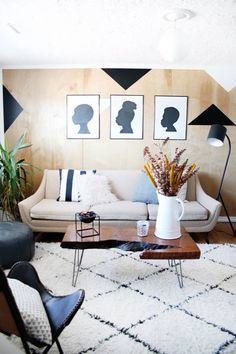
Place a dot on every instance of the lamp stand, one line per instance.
(219, 196)
(226, 212)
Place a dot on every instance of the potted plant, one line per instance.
(13, 178)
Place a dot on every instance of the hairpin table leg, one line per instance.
(76, 265)
(178, 272)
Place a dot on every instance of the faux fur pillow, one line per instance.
(95, 189)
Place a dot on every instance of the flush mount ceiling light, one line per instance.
(177, 14)
(172, 45)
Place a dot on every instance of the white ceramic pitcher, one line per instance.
(168, 217)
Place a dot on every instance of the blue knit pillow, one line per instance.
(69, 184)
(145, 191)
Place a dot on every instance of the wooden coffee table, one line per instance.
(124, 236)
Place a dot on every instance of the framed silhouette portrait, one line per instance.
(170, 117)
(126, 117)
(83, 112)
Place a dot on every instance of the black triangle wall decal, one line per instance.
(126, 77)
(11, 108)
(212, 115)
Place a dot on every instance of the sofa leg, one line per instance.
(206, 238)
(204, 234)
(192, 235)
(38, 235)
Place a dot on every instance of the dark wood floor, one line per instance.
(222, 233)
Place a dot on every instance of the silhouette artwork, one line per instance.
(170, 117)
(125, 116)
(82, 115)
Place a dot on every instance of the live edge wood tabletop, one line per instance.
(111, 236)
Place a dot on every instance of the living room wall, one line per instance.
(42, 95)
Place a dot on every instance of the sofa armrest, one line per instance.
(26, 204)
(211, 204)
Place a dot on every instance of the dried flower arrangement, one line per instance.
(167, 176)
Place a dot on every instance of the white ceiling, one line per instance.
(113, 33)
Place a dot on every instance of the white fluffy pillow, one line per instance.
(32, 311)
(95, 189)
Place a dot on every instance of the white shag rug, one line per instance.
(135, 306)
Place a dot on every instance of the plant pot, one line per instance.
(87, 217)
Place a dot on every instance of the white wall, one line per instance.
(1, 110)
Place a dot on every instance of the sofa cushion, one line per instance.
(52, 210)
(69, 184)
(182, 192)
(191, 189)
(145, 191)
(192, 211)
(123, 182)
(32, 311)
(95, 189)
(121, 210)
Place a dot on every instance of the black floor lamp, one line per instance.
(216, 137)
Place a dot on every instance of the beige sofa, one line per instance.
(42, 212)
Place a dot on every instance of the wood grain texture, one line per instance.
(183, 247)
(42, 94)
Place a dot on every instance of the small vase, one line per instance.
(168, 218)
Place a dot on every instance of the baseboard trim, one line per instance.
(225, 219)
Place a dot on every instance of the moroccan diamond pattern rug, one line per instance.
(135, 306)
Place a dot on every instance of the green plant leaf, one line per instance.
(13, 177)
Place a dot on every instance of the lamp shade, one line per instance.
(216, 135)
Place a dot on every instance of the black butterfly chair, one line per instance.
(60, 309)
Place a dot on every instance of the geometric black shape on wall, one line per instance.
(11, 108)
(126, 77)
(212, 115)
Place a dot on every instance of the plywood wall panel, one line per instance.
(42, 94)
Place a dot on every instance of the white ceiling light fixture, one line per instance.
(172, 46)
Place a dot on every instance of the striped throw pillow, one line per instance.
(69, 184)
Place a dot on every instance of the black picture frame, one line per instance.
(126, 116)
(170, 117)
(83, 116)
